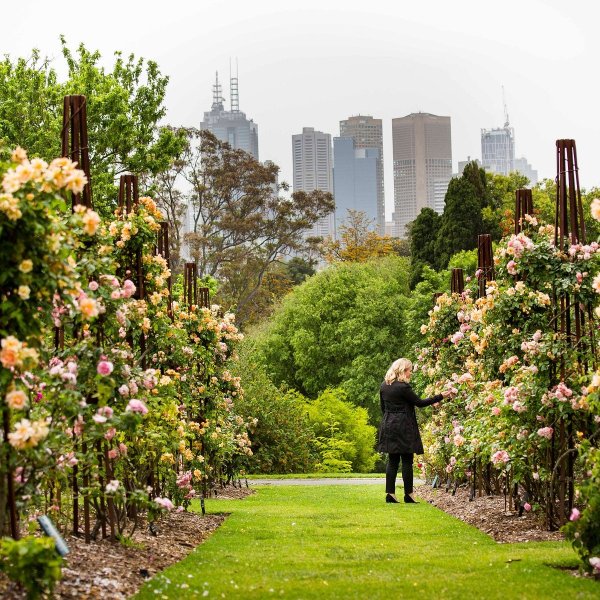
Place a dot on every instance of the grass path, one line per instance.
(345, 542)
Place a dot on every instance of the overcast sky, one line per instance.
(311, 63)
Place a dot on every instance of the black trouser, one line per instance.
(391, 472)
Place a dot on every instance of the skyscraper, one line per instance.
(498, 149)
(355, 180)
(422, 149)
(231, 126)
(313, 170)
(367, 132)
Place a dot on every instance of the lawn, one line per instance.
(345, 542)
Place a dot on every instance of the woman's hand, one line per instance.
(449, 392)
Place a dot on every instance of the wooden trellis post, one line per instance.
(162, 249)
(74, 137)
(457, 281)
(523, 206)
(190, 284)
(485, 261)
(570, 320)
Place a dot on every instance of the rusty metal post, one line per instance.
(485, 261)
(190, 284)
(204, 297)
(162, 249)
(74, 138)
(523, 206)
(569, 229)
(457, 281)
(10, 481)
(128, 193)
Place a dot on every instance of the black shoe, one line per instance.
(409, 500)
(390, 498)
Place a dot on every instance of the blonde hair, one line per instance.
(397, 370)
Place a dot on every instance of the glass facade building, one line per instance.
(355, 180)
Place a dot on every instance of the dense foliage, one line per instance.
(113, 397)
(124, 107)
(340, 328)
(525, 401)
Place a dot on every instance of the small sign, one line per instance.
(50, 530)
(435, 482)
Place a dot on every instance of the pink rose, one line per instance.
(112, 454)
(110, 434)
(527, 506)
(137, 406)
(93, 285)
(105, 367)
(575, 515)
(123, 449)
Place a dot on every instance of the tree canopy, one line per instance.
(340, 328)
(124, 108)
(240, 224)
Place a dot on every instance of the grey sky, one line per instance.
(315, 62)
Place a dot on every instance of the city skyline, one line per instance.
(314, 63)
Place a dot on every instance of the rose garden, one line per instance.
(122, 404)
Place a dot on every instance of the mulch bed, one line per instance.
(105, 569)
(487, 513)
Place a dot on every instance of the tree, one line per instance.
(124, 107)
(341, 328)
(240, 224)
(462, 220)
(422, 235)
(357, 241)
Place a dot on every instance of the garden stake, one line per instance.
(74, 138)
(524, 206)
(457, 281)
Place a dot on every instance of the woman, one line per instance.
(399, 433)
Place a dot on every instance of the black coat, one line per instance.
(399, 432)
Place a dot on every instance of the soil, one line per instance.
(105, 569)
(488, 514)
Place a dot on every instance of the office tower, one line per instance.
(231, 126)
(355, 181)
(498, 149)
(313, 170)
(367, 132)
(463, 163)
(522, 166)
(422, 165)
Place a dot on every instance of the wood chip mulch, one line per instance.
(487, 513)
(104, 569)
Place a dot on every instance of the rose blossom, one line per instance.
(93, 285)
(124, 390)
(110, 434)
(138, 406)
(545, 432)
(527, 506)
(112, 486)
(164, 503)
(105, 367)
(595, 563)
(575, 515)
(16, 399)
(112, 453)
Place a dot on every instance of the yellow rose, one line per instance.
(26, 266)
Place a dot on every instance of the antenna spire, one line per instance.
(233, 88)
(506, 119)
(217, 94)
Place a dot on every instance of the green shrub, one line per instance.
(343, 437)
(282, 439)
(32, 562)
